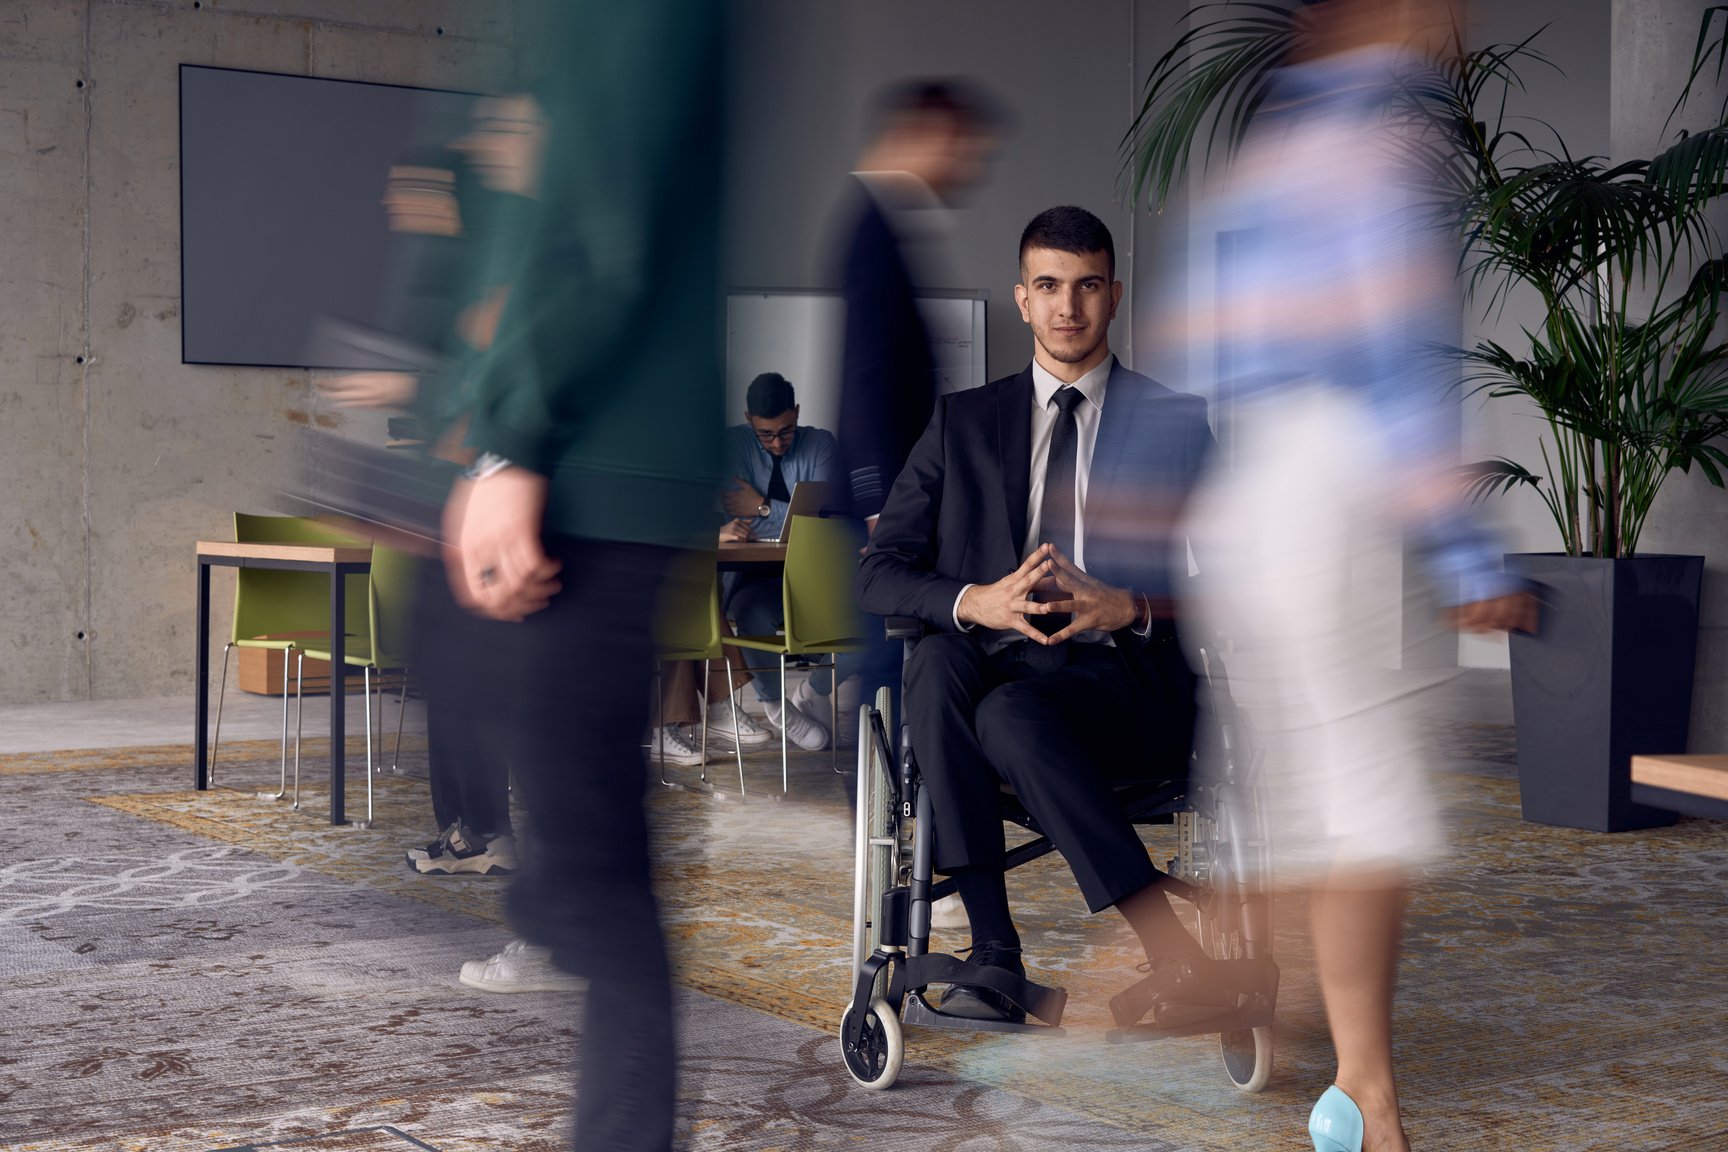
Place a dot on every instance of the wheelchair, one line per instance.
(1222, 868)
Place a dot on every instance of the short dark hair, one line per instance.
(769, 395)
(963, 102)
(1068, 229)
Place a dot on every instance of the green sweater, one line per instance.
(605, 374)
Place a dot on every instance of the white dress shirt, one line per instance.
(1087, 415)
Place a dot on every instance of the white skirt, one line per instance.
(1301, 576)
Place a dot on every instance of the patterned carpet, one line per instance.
(194, 971)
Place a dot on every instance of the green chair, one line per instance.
(292, 606)
(383, 648)
(687, 627)
(822, 618)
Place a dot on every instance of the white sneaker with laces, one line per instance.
(720, 724)
(803, 730)
(810, 702)
(678, 748)
(521, 967)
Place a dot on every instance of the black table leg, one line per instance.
(201, 685)
(338, 696)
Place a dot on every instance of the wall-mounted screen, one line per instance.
(281, 220)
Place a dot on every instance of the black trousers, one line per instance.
(1060, 738)
(582, 676)
(463, 662)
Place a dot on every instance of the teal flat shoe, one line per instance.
(1335, 1125)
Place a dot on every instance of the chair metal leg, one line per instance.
(286, 652)
(702, 718)
(222, 691)
(660, 721)
(834, 714)
(737, 743)
(785, 703)
(401, 718)
(299, 718)
(366, 686)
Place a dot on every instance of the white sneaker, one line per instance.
(810, 702)
(678, 749)
(803, 730)
(720, 724)
(949, 912)
(521, 967)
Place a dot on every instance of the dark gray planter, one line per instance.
(1608, 675)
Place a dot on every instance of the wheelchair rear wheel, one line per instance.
(1225, 850)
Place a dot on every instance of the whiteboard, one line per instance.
(798, 334)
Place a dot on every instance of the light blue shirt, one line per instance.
(814, 455)
(1318, 239)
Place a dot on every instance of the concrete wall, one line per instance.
(114, 456)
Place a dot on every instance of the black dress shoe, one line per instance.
(969, 1002)
(1181, 990)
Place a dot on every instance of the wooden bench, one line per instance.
(1694, 785)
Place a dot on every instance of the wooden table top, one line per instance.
(304, 553)
(1699, 775)
(752, 552)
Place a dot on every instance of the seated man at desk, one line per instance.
(767, 456)
(1030, 532)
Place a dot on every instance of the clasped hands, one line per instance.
(1063, 587)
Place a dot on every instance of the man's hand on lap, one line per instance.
(1096, 606)
(1005, 604)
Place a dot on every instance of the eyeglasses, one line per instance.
(771, 437)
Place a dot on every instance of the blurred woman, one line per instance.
(1338, 453)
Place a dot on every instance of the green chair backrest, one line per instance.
(394, 577)
(687, 619)
(821, 560)
(269, 602)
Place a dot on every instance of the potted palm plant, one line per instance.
(1624, 368)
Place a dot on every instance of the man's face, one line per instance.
(775, 432)
(507, 137)
(961, 156)
(422, 200)
(1069, 300)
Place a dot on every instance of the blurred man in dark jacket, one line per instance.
(594, 412)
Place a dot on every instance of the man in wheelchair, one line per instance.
(1030, 533)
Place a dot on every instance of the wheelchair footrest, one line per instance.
(918, 1013)
(1257, 1015)
(918, 972)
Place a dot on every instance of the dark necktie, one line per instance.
(1056, 513)
(777, 484)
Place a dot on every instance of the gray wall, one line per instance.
(112, 467)
(804, 74)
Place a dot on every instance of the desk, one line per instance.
(753, 556)
(339, 562)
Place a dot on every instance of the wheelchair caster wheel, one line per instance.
(875, 1061)
(1247, 1057)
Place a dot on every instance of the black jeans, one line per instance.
(582, 675)
(464, 664)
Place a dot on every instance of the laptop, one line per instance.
(809, 498)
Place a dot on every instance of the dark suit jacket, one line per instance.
(888, 375)
(957, 513)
